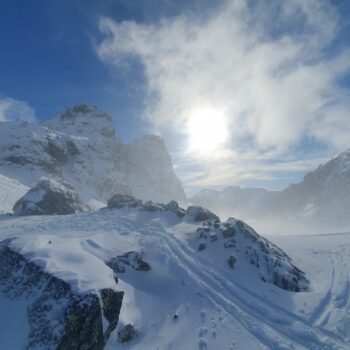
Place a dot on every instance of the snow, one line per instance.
(10, 192)
(216, 307)
(66, 260)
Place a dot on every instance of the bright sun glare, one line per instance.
(207, 129)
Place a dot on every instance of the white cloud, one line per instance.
(15, 110)
(268, 66)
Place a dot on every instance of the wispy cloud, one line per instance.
(15, 110)
(268, 66)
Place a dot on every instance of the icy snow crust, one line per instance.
(192, 299)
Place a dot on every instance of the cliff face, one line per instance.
(78, 147)
(322, 196)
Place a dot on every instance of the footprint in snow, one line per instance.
(203, 315)
(233, 346)
(203, 331)
(202, 344)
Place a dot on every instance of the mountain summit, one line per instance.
(78, 148)
(82, 120)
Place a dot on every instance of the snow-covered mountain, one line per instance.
(322, 197)
(320, 203)
(78, 148)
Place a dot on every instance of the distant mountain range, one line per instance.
(79, 149)
(321, 202)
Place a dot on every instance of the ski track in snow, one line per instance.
(273, 331)
(336, 302)
(325, 327)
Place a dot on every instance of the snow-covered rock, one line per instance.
(231, 241)
(241, 242)
(48, 197)
(200, 213)
(119, 201)
(79, 147)
(59, 315)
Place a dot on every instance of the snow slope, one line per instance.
(191, 299)
(10, 191)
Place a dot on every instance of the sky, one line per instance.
(250, 93)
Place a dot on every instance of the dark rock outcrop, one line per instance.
(112, 303)
(58, 316)
(119, 201)
(127, 333)
(132, 259)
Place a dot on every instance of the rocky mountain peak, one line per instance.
(78, 147)
(82, 120)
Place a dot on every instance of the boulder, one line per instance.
(150, 206)
(127, 333)
(201, 214)
(133, 259)
(174, 207)
(49, 197)
(231, 261)
(201, 247)
(119, 201)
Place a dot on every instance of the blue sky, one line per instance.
(48, 58)
(276, 73)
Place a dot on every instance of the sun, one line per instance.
(207, 129)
